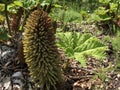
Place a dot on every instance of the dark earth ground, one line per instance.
(97, 75)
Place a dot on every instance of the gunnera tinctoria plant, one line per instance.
(40, 50)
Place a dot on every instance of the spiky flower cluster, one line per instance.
(40, 50)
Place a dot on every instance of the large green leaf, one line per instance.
(80, 45)
(18, 3)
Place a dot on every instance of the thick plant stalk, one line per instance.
(40, 50)
(7, 19)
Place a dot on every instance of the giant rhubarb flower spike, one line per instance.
(40, 50)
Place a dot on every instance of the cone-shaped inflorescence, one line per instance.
(40, 50)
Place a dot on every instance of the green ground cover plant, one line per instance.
(80, 46)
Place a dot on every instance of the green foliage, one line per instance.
(2, 18)
(94, 18)
(2, 7)
(3, 34)
(10, 8)
(115, 41)
(106, 12)
(106, 15)
(80, 46)
(28, 4)
(104, 1)
(72, 16)
(49, 1)
(14, 6)
(84, 14)
(101, 74)
(65, 16)
(116, 46)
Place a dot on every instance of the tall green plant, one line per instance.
(79, 46)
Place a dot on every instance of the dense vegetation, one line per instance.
(83, 32)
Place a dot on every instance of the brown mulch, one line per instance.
(97, 75)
